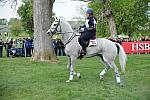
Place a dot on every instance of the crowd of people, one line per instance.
(58, 47)
(120, 40)
(24, 47)
(17, 47)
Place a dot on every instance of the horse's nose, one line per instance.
(48, 32)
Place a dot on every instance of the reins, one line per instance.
(72, 36)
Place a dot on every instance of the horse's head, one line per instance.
(55, 27)
(60, 26)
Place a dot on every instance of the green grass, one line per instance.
(22, 79)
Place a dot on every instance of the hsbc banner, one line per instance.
(136, 47)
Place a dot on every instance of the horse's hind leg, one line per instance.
(103, 72)
(107, 67)
(117, 75)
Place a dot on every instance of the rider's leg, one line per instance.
(82, 42)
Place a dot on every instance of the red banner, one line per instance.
(136, 47)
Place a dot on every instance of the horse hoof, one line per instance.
(120, 84)
(78, 75)
(101, 78)
(67, 81)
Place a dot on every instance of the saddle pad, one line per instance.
(92, 42)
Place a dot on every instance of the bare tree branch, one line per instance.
(12, 2)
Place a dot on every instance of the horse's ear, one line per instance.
(59, 19)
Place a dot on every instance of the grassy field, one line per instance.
(22, 79)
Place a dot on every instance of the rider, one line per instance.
(89, 30)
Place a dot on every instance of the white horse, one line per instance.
(105, 49)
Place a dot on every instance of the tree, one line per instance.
(42, 12)
(42, 16)
(15, 26)
(25, 11)
(128, 14)
(106, 12)
(111, 20)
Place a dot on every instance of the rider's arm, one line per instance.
(83, 26)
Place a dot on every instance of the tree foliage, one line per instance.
(129, 15)
(15, 26)
(26, 13)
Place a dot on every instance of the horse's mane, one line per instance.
(65, 22)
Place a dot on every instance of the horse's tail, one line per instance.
(122, 56)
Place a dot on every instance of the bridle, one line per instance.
(60, 32)
(55, 28)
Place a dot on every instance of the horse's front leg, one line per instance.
(71, 69)
(69, 62)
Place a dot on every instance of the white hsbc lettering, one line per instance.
(140, 46)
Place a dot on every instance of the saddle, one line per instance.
(92, 42)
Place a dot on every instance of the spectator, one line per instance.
(32, 47)
(23, 46)
(28, 46)
(8, 47)
(60, 48)
(14, 49)
(1, 47)
(55, 46)
(20, 47)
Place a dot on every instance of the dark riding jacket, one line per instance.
(90, 24)
(90, 27)
(88, 33)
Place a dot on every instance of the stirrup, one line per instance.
(82, 53)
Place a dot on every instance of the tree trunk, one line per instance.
(111, 21)
(112, 25)
(42, 14)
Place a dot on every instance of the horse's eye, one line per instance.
(55, 24)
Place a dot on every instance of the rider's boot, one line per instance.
(82, 53)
